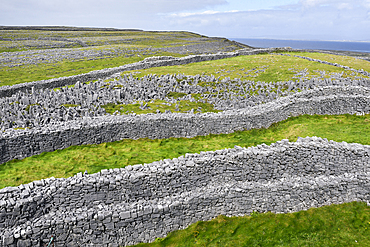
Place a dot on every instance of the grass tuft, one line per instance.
(345, 224)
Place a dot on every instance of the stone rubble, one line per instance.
(41, 107)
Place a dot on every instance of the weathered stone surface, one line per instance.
(7, 91)
(184, 190)
(142, 202)
(107, 128)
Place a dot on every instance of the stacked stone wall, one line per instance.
(142, 202)
(7, 91)
(327, 100)
(120, 207)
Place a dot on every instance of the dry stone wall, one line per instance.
(41, 107)
(120, 207)
(361, 71)
(7, 91)
(326, 100)
(142, 202)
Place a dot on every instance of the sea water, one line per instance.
(305, 44)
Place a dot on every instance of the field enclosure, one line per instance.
(31, 55)
(215, 137)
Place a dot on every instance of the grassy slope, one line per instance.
(27, 73)
(278, 68)
(336, 225)
(93, 158)
(343, 60)
(100, 40)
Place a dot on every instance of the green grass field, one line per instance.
(28, 73)
(343, 60)
(40, 39)
(264, 67)
(127, 46)
(93, 158)
(335, 225)
(182, 106)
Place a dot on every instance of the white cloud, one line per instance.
(338, 4)
(207, 12)
(312, 3)
(297, 19)
(142, 14)
(125, 6)
(323, 22)
(344, 6)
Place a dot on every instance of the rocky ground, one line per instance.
(41, 107)
(33, 47)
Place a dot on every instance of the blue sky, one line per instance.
(274, 19)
